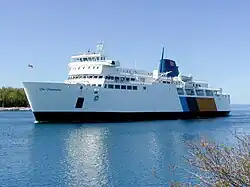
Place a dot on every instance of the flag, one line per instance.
(30, 66)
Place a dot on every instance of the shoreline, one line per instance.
(15, 109)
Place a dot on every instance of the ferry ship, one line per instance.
(99, 90)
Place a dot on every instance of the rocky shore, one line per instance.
(15, 109)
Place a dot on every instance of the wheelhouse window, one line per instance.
(117, 86)
(129, 87)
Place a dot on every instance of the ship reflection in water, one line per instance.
(122, 154)
(87, 157)
(105, 155)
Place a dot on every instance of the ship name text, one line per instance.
(50, 89)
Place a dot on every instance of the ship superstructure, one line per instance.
(98, 89)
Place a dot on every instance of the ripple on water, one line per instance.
(122, 154)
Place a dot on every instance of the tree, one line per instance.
(13, 97)
(219, 165)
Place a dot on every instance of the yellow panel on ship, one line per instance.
(206, 104)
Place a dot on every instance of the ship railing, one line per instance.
(130, 82)
(76, 82)
(160, 76)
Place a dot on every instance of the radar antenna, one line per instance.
(99, 47)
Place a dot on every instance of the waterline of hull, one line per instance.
(93, 117)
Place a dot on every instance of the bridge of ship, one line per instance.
(119, 76)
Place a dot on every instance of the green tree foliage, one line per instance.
(13, 97)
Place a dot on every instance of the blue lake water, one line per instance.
(121, 154)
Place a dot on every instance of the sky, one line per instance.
(208, 39)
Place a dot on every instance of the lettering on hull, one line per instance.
(50, 89)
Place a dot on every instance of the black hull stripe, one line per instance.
(91, 117)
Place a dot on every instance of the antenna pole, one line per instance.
(162, 56)
(99, 47)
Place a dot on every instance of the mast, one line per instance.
(161, 61)
(99, 48)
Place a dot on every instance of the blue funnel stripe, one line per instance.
(184, 104)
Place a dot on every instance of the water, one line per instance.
(123, 154)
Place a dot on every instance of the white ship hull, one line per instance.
(57, 102)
